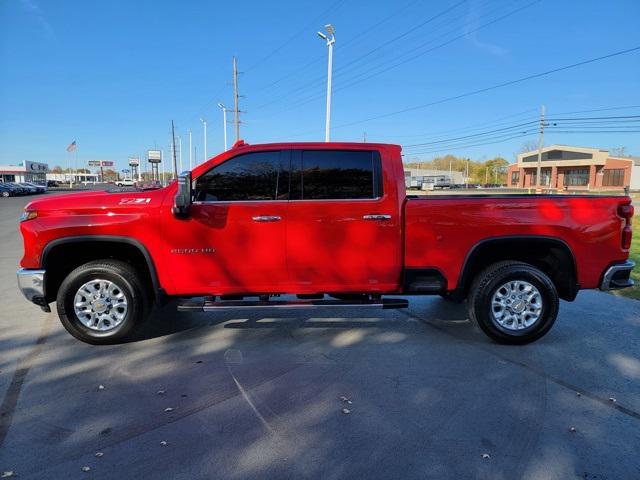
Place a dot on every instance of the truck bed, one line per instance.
(443, 230)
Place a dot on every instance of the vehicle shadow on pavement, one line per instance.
(166, 320)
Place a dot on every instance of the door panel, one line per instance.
(234, 238)
(341, 244)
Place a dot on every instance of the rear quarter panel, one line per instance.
(441, 231)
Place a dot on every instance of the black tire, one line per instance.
(5, 194)
(490, 280)
(121, 274)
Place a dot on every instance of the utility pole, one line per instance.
(173, 147)
(540, 145)
(204, 123)
(190, 152)
(180, 152)
(224, 124)
(236, 109)
(330, 39)
(364, 137)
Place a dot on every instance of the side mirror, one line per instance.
(182, 200)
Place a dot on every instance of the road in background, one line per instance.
(262, 394)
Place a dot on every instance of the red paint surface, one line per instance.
(325, 246)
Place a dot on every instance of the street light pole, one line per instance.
(204, 123)
(330, 39)
(190, 152)
(540, 146)
(224, 124)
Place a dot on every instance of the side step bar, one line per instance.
(201, 305)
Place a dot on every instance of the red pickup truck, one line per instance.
(329, 223)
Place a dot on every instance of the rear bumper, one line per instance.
(31, 283)
(617, 276)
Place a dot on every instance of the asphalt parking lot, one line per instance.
(261, 395)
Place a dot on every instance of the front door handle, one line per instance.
(266, 218)
(375, 216)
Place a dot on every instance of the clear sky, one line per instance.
(112, 75)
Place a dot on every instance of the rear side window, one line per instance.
(252, 176)
(335, 175)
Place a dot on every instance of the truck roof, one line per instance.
(330, 145)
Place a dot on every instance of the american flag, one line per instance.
(72, 147)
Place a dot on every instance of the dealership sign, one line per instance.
(154, 156)
(134, 162)
(35, 167)
(100, 163)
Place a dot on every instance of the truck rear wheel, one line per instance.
(513, 302)
(102, 302)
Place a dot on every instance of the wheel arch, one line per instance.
(551, 254)
(55, 261)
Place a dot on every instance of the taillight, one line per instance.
(626, 212)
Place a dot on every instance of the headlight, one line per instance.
(28, 215)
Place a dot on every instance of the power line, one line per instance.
(343, 46)
(603, 123)
(331, 9)
(474, 135)
(493, 87)
(355, 80)
(488, 142)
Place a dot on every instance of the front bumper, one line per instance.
(31, 283)
(617, 276)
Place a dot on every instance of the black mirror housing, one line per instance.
(183, 199)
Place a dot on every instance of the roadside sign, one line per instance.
(134, 161)
(100, 163)
(154, 156)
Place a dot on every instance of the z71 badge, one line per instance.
(134, 201)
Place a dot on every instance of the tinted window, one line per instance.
(253, 176)
(335, 174)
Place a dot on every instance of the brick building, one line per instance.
(574, 168)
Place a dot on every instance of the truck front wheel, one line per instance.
(102, 302)
(513, 302)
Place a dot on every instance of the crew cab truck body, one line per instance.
(328, 222)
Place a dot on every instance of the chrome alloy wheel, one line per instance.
(516, 305)
(100, 305)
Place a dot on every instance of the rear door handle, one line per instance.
(376, 216)
(266, 218)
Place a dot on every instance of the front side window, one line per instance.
(335, 175)
(252, 176)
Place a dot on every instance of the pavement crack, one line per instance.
(10, 401)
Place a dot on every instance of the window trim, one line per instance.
(377, 170)
(285, 157)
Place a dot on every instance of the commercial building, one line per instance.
(565, 167)
(74, 177)
(26, 171)
(424, 179)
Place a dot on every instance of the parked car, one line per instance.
(317, 220)
(127, 182)
(19, 188)
(5, 191)
(53, 183)
(31, 189)
(38, 187)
